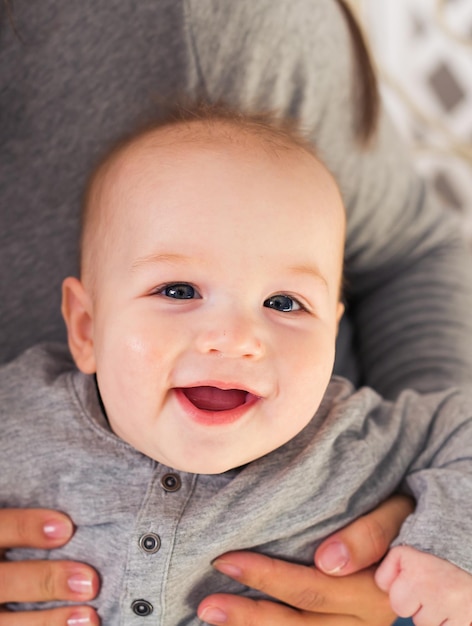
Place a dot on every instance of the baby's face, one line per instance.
(216, 306)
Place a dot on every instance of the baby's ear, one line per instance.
(77, 313)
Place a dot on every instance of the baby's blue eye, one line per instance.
(179, 291)
(282, 303)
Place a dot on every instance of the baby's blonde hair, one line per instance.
(191, 122)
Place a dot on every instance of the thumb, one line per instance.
(365, 541)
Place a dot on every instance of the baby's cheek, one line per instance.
(141, 345)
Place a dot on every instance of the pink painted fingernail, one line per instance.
(333, 557)
(78, 619)
(58, 529)
(79, 583)
(213, 615)
(227, 568)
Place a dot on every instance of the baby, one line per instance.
(203, 417)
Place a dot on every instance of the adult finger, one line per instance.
(365, 541)
(40, 581)
(35, 528)
(238, 611)
(307, 589)
(66, 616)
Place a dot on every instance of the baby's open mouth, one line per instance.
(215, 399)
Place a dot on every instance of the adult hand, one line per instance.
(315, 598)
(40, 581)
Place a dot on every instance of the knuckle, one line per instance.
(309, 599)
(48, 581)
(23, 528)
(375, 535)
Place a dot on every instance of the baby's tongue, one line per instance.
(214, 399)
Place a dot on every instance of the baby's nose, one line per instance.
(233, 337)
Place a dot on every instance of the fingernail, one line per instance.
(78, 619)
(227, 568)
(333, 557)
(58, 529)
(213, 615)
(79, 583)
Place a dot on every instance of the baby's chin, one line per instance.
(210, 467)
(218, 462)
(207, 463)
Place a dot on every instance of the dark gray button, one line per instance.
(143, 608)
(171, 482)
(150, 543)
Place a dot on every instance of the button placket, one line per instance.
(161, 511)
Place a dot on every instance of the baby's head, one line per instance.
(208, 304)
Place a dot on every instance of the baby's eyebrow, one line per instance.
(311, 271)
(168, 258)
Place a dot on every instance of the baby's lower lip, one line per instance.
(213, 406)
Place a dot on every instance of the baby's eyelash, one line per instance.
(178, 291)
(284, 303)
(182, 291)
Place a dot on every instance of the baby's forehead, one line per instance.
(257, 140)
(178, 150)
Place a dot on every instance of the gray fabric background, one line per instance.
(74, 76)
